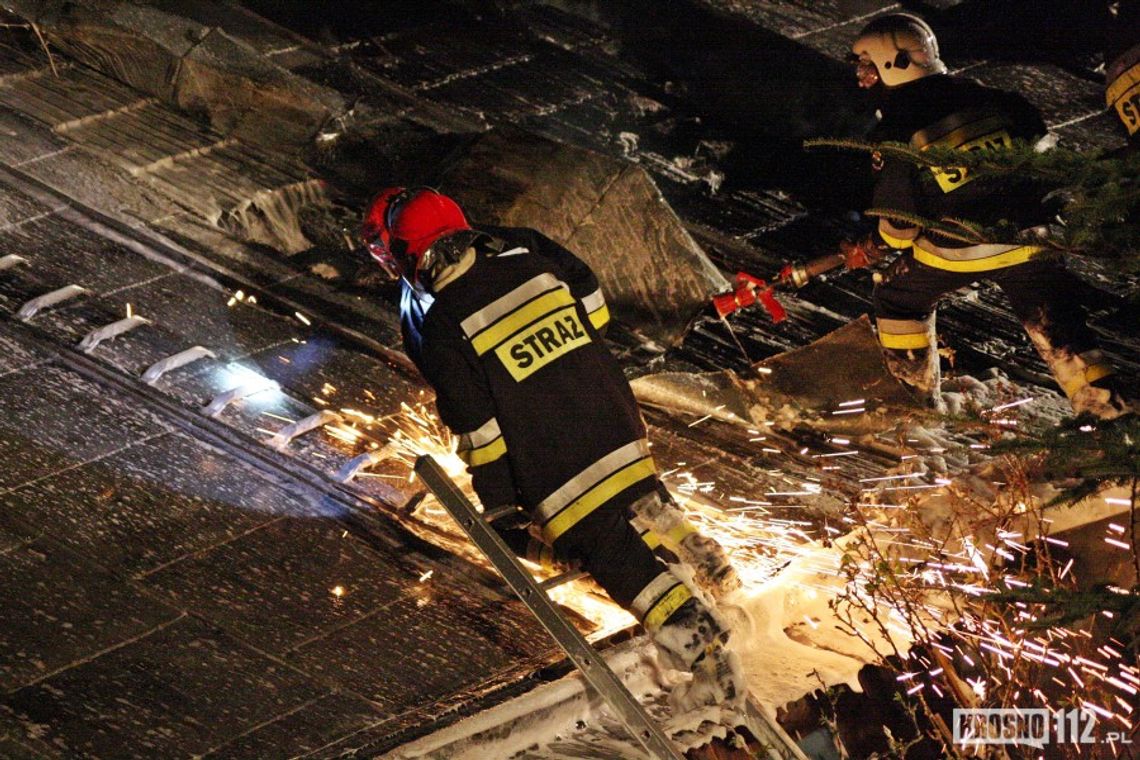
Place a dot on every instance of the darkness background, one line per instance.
(761, 91)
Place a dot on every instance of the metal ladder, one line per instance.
(477, 525)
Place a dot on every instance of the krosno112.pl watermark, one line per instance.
(1031, 727)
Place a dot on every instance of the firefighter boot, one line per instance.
(910, 351)
(693, 639)
(660, 515)
(1087, 378)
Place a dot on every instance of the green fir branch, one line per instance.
(914, 220)
(1063, 606)
(1084, 452)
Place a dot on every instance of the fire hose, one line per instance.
(749, 289)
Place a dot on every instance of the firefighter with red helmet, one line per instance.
(426, 214)
(897, 57)
(510, 341)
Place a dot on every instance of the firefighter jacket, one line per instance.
(415, 302)
(950, 112)
(1122, 67)
(545, 417)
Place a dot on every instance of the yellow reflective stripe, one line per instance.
(679, 533)
(596, 497)
(1018, 255)
(484, 454)
(894, 242)
(665, 607)
(950, 178)
(1128, 108)
(520, 318)
(577, 485)
(599, 318)
(505, 304)
(908, 341)
(596, 309)
(1122, 84)
(903, 333)
(989, 132)
(651, 539)
(1092, 373)
(482, 446)
(652, 593)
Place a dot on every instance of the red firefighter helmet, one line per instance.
(375, 231)
(402, 224)
(420, 216)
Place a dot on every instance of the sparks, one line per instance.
(1011, 404)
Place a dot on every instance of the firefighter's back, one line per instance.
(561, 401)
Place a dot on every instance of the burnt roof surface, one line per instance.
(170, 580)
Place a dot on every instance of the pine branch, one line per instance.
(945, 227)
(1066, 606)
(1095, 453)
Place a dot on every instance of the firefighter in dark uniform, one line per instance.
(544, 416)
(896, 56)
(415, 301)
(661, 522)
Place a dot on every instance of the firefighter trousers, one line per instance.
(525, 543)
(662, 526)
(1042, 293)
(688, 633)
(605, 544)
(666, 529)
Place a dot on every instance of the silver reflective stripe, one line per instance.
(583, 481)
(512, 252)
(902, 326)
(504, 305)
(970, 124)
(657, 588)
(486, 433)
(594, 301)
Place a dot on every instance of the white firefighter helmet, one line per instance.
(895, 49)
